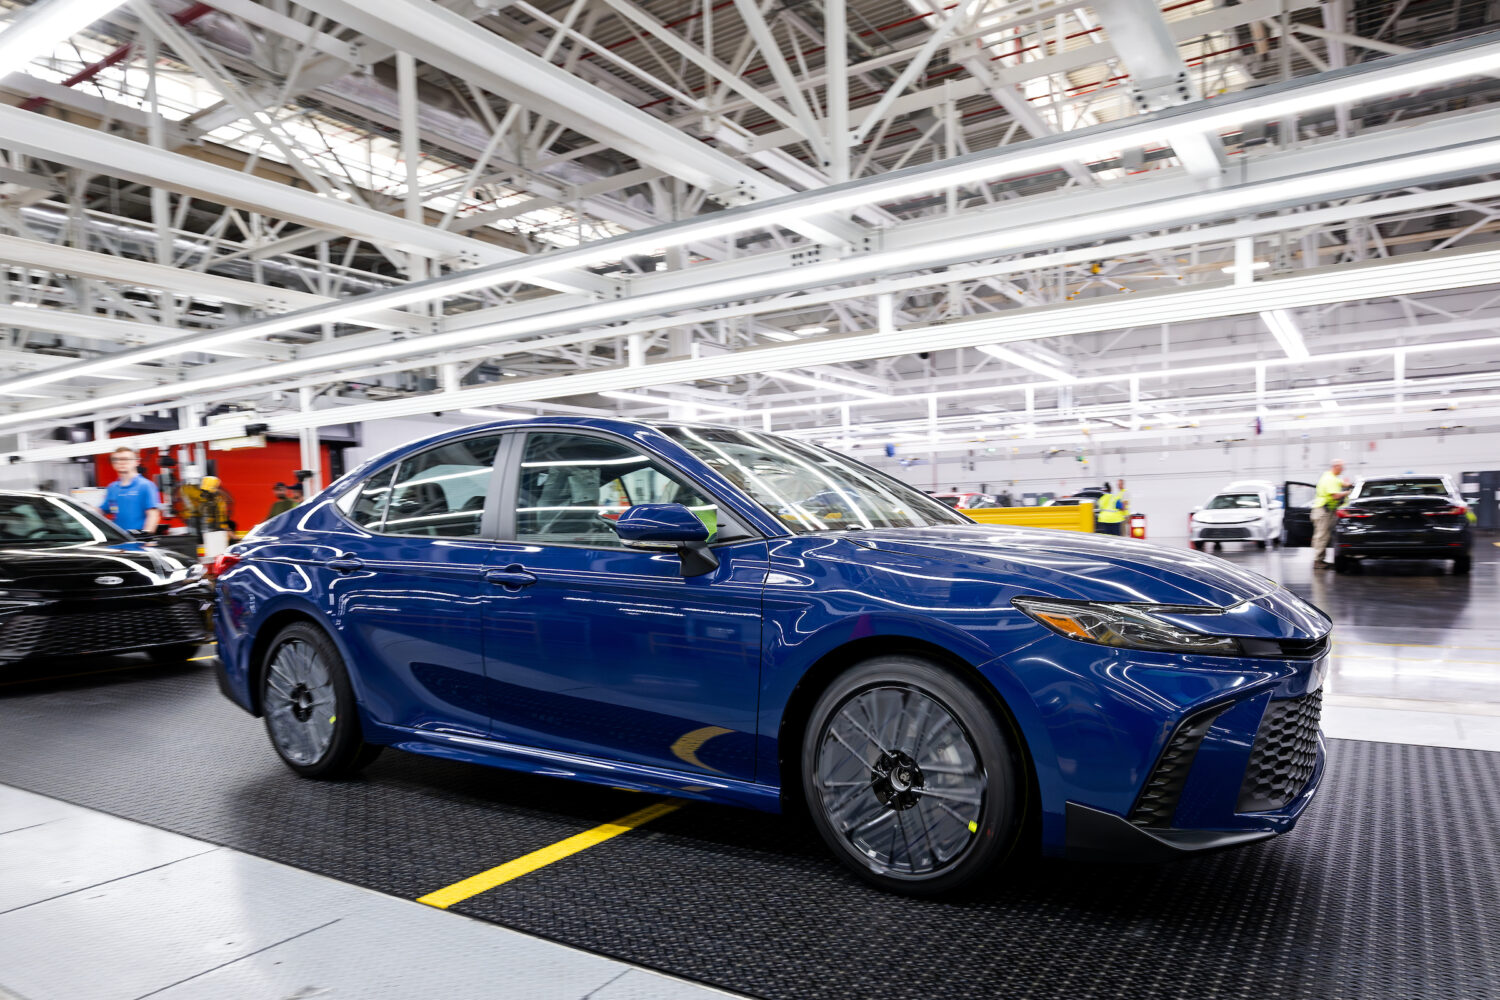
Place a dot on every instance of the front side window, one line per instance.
(573, 487)
(440, 492)
(811, 489)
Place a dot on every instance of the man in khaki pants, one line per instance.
(1331, 492)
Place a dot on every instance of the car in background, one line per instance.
(937, 694)
(965, 501)
(1403, 517)
(1244, 511)
(73, 584)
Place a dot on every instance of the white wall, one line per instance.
(1167, 482)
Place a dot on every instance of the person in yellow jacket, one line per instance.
(1110, 511)
(1331, 493)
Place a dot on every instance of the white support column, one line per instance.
(411, 152)
(308, 438)
(836, 32)
(1244, 260)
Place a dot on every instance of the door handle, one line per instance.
(510, 576)
(345, 564)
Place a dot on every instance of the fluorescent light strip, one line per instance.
(1030, 364)
(1381, 76)
(1284, 329)
(1431, 272)
(827, 386)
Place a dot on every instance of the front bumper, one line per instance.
(1244, 531)
(47, 629)
(1093, 834)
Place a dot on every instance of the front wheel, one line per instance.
(1463, 565)
(910, 778)
(309, 705)
(1261, 544)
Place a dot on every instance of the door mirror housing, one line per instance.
(668, 527)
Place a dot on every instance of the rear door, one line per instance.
(1296, 514)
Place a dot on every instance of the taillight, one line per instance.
(1346, 512)
(1447, 510)
(222, 562)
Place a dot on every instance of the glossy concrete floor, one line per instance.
(1416, 653)
(94, 905)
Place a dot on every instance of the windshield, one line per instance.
(40, 520)
(1233, 501)
(811, 489)
(1403, 488)
(947, 499)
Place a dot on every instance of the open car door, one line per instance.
(1296, 520)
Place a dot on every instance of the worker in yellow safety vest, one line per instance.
(1110, 511)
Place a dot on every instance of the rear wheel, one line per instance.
(910, 777)
(1345, 564)
(1462, 565)
(309, 705)
(175, 653)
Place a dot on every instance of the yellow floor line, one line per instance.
(527, 863)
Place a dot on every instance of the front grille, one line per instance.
(1284, 755)
(1158, 800)
(99, 631)
(1224, 533)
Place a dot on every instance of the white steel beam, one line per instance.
(443, 39)
(51, 139)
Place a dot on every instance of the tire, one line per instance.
(1260, 544)
(1344, 564)
(1198, 546)
(175, 653)
(876, 832)
(1463, 565)
(1218, 546)
(303, 681)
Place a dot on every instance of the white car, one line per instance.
(1246, 511)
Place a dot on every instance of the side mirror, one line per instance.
(667, 527)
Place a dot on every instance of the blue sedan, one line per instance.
(739, 617)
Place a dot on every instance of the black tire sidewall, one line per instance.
(987, 731)
(343, 755)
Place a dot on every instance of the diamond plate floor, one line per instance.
(1390, 888)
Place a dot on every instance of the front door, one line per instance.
(1296, 513)
(610, 652)
(407, 588)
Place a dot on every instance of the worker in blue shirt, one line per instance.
(132, 498)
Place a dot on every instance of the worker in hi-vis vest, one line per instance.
(1110, 511)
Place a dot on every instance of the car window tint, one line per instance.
(36, 519)
(1233, 501)
(1404, 488)
(572, 487)
(365, 504)
(440, 492)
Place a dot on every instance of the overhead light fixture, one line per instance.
(808, 330)
(1259, 265)
(642, 397)
(1284, 329)
(1030, 364)
(818, 383)
(38, 29)
(474, 411)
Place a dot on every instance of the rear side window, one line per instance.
(1404, 488)
(441, 492)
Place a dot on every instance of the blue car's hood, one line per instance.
(1102, 568)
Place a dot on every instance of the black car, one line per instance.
(71, 583)
(1403, 517)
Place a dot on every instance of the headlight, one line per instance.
(1126, 626)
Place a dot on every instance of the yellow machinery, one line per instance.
(1070, 517)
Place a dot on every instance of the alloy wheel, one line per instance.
(900, 780)
(300, 702)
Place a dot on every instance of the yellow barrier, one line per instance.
(1077, 517)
